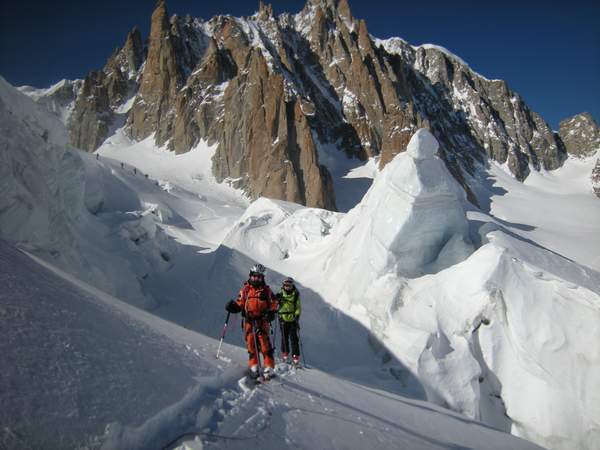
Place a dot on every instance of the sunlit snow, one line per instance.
(426, 323)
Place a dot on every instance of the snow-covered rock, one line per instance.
(59, 98)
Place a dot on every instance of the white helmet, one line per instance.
(258, 269)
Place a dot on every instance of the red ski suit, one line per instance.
(254, 302)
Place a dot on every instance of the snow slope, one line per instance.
(557, 209)
(75, 360)
(87, 370)
(490, 323)
(502, 335)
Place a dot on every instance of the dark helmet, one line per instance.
(288, 284)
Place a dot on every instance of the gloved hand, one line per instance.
(269, 315)
(232, 307)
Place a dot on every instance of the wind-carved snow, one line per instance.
(39, 174)
(410, 222)
(412, 219)
(500, 337)
(275, 229)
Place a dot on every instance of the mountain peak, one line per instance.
(265, 10)
(580, 134)
(340, 7)
(160, 19)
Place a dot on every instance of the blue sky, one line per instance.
(547, 51)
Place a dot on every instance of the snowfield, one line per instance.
(426, 323)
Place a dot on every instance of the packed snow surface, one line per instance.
(422, 317)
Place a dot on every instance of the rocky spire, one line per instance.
(265, 11)
(161, 80)
(134, 50)
(344, 10)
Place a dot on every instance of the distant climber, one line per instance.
(258, 306)
(289, 316)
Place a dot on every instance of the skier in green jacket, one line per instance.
(289, 315)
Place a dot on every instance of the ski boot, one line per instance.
(295, 361)
(253, 372)
(268, 373)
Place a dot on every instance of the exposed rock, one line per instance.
(271, 90)
(103, 92)
(91, 118)
(267, 145)
(199, 106)
(265, 11)
(596, 178)
(580, 135)
(161, 79)
(483, 116)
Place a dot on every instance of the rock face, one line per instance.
(103, 93)
(580, 135)
(160, 81)
(271, 92)
(596, 178)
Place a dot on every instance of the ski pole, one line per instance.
(301, 347)
(284, 341)
(273, 342)
(257, 353)
(223, 333)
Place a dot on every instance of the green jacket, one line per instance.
(289, 305)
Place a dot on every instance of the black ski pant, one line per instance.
(289, 332)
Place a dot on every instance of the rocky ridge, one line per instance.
(103, 94)
(580, 134)
(272, 91)
(596, 178)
